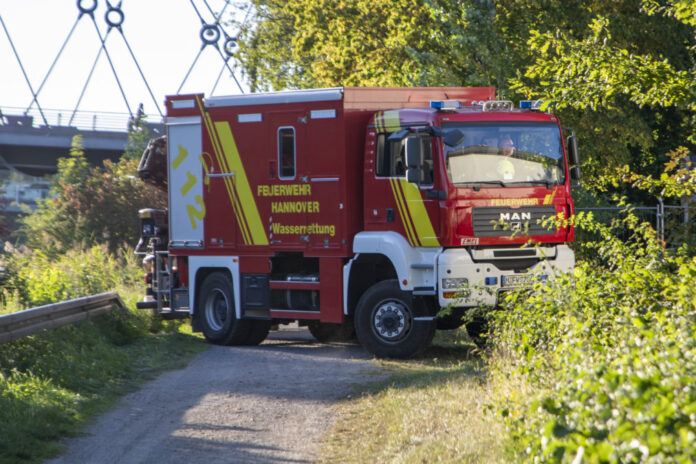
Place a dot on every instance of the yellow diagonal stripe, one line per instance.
(419, 215)
(403, 213)
(378, 121)
(224, 167)
(241, 183)
(391, 121)
(548, 199)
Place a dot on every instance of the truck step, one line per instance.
(168, 314)
(146, 304)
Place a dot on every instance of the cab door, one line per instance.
(393, 203)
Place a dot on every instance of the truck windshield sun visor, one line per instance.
(399, 135)
(504, 153)
(453, 137)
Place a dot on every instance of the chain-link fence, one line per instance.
(675, 224)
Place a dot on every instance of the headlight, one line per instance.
(455, 283)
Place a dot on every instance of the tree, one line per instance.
(138, 135)
(630, 96)
(324, 43)
(90, 205)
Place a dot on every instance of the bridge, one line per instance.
(29, 151)
(33, 138)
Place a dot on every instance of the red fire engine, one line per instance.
(352, 208)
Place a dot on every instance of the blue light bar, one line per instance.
(531, 104)
(445, 104)
(491, 281)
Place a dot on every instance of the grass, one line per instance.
(52, 383)
(437, 408)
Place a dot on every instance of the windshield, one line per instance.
(506, 153)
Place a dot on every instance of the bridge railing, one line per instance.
(83, 120)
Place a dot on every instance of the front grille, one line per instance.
(499, 222)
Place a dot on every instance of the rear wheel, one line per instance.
(217, 316)
(388, 323)
(325, 332)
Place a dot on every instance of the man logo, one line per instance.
(523, 216)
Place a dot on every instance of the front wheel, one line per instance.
(388, 323)
(216, 312)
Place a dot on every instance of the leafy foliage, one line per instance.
(138, 136)
(90, 205)
(39, 278)
(609, 349)
(309, 43)
(630, 97)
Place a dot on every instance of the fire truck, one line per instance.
(363, 211)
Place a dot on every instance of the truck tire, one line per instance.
(216, 312)
(258, 331)
(385, 322)
(325, 332)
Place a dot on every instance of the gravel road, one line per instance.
(265, 404)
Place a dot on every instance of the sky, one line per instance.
(163, 34)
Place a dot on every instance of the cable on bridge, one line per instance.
(116, 23)
(210, 34)
(21, 66)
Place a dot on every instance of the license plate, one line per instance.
(517, 280)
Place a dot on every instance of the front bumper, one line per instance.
(482, 270)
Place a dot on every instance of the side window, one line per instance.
(390, 157)
(286, 152)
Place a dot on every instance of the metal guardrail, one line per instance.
(30, 321)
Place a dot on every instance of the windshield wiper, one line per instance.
(549, 184)
(477, 184)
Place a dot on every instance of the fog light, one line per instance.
(454, 283)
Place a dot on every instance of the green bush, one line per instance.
(40, 278)
(610, 353)
(90, 206)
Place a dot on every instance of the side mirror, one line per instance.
(413, 159)
(413, 152)
(413, 175)
(453, 138)
(572, 145)
(575, 173)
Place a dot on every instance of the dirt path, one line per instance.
(265, 404)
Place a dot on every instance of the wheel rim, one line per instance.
(216, 306)
(391, 320)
